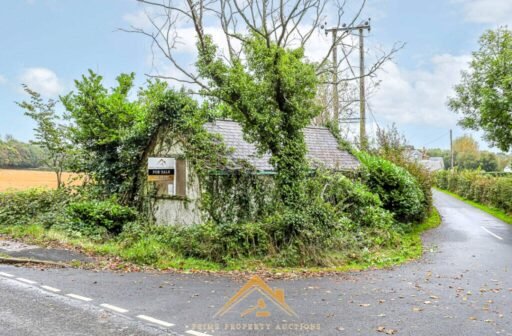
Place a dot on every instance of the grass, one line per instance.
(151, 251)
(410, 249)
(500, 214)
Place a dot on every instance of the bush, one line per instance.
(398, 190)
(34, 206)
(476, 186)
(341, 217)
(96, 218)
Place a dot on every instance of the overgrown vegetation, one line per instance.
(393, 147)
(484, 92)
(473, 185)
(299, 217)
(365, 235)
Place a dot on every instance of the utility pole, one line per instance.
(362, 96)
(335, 97)
(451, 150)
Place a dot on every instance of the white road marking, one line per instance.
(51, 289)
(6, 274)
(114, 308)
(26, 281)
(196, 333)
(79, 297)
(154, 320)
(491, 233)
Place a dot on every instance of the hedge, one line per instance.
(473, 185)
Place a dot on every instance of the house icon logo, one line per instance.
(267, 294)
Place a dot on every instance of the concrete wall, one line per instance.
(173, 210)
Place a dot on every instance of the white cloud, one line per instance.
(3, 80)
(496, 12)
(419, 97)
(42, 80)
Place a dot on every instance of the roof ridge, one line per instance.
(236, 122)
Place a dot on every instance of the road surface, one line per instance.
(462, 286)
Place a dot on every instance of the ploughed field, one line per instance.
(18, 179)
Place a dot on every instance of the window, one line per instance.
(180, 178)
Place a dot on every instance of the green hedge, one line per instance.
(473, 185)
(399, 191)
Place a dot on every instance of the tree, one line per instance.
(99, 120)
(115, 134)
(484, 96)
(488, 162)
(465, 144)
(50, 135)
(466, 152)
(263, 76)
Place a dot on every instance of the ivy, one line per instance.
(270, 91)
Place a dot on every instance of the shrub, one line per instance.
(476, 186)
(96, 218)
(398, 190)
(34, 206)
(341, 217)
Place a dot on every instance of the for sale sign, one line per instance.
(161, 169)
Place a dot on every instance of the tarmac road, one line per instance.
(462, 286)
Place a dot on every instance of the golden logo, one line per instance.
(256, 284)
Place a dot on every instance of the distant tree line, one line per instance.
(18, 154)
(468, 156)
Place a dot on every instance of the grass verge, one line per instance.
(500, 214)
(151, 252)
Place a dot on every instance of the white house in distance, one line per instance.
(433, 164)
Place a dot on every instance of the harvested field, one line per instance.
(14, 179)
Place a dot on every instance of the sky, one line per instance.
(47, 44)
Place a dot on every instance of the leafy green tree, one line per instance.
(488, 162)
(271, 91)
(50, 135)
(261, 73)
(484, 96)
(100, 119)
(115, 134)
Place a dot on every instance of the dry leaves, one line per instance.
(386, 330)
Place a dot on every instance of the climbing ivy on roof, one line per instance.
(270, 91)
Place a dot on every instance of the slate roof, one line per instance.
(322, 147)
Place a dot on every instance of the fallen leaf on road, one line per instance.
(472, 318)
(417, 309)
(386, 331)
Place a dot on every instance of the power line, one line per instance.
(362, 92)
(436, 139)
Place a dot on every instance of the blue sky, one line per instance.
(49, 43)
